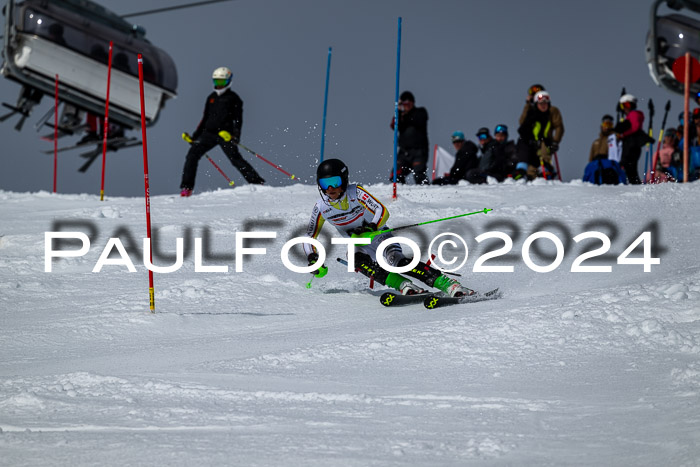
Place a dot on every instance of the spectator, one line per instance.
(509, 155)
(413, 140)
(633, 137)
(540, 135)
(466, 159)
(670, 162)
(491, 163)
(599, 148)
(531, 91)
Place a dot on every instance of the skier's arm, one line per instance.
(313, 229)
(200, 126)
(381, 213)
(557, 127)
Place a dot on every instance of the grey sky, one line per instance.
(468, 62)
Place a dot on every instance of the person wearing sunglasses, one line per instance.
(540, 134)
(491, 163)
(355, 212)
(223, 112)
(466, 158)
(413, 143)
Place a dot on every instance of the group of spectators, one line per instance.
(623, 143)
(539, 134)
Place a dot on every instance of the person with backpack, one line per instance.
(633, 136)
(540, 133)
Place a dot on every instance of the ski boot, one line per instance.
(409, 288)
(186, 192)
(451, 287)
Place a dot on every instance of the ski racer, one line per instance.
(354, 212)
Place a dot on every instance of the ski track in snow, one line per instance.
(252, 368)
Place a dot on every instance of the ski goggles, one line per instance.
(500, 129)
(482, 136)
(330, 182)
(220, 83)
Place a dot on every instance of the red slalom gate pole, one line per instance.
(556, 161)
(105, 129)
(146, 184)
(230, 182)
(55, 136)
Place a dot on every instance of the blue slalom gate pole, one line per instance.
(325, 103)
(396, 106)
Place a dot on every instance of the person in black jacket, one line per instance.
(509, 154)
(491, 163)
(223, 111)
(466, 159)
(413, 140)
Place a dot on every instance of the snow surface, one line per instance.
(252, 368)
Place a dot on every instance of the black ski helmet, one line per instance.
(332, 168)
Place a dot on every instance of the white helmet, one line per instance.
(628, 98)
(541, 96)
(222, 78)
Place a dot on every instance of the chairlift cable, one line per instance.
(177, 7)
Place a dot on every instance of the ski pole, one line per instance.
(226, 136)
(647, 156)
(230, 182)
(556, 161)
(655, 160)
(188, 139)
(373, 234)
(618, 110)
(544, 169)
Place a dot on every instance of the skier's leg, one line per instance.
(370, 268)
(434, 278)
(247, 170)
(419, 166)
(189, 171)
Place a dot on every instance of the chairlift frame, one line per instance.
(681, 31)
(33, 59)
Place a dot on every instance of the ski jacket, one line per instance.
(465, 160)
(542, 126)
(557, 120)
(355, 207)
(491, 161)
(413, 129)
(224, 112)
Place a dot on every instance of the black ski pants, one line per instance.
(206, 142)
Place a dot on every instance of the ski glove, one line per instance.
(366, 230)
(322, 271)
(187, 137)
(554, 147)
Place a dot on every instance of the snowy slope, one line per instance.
(252, 368)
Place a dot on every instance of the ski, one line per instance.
(437, 301)
(397, 299)
(117, 142)
(94, 154)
